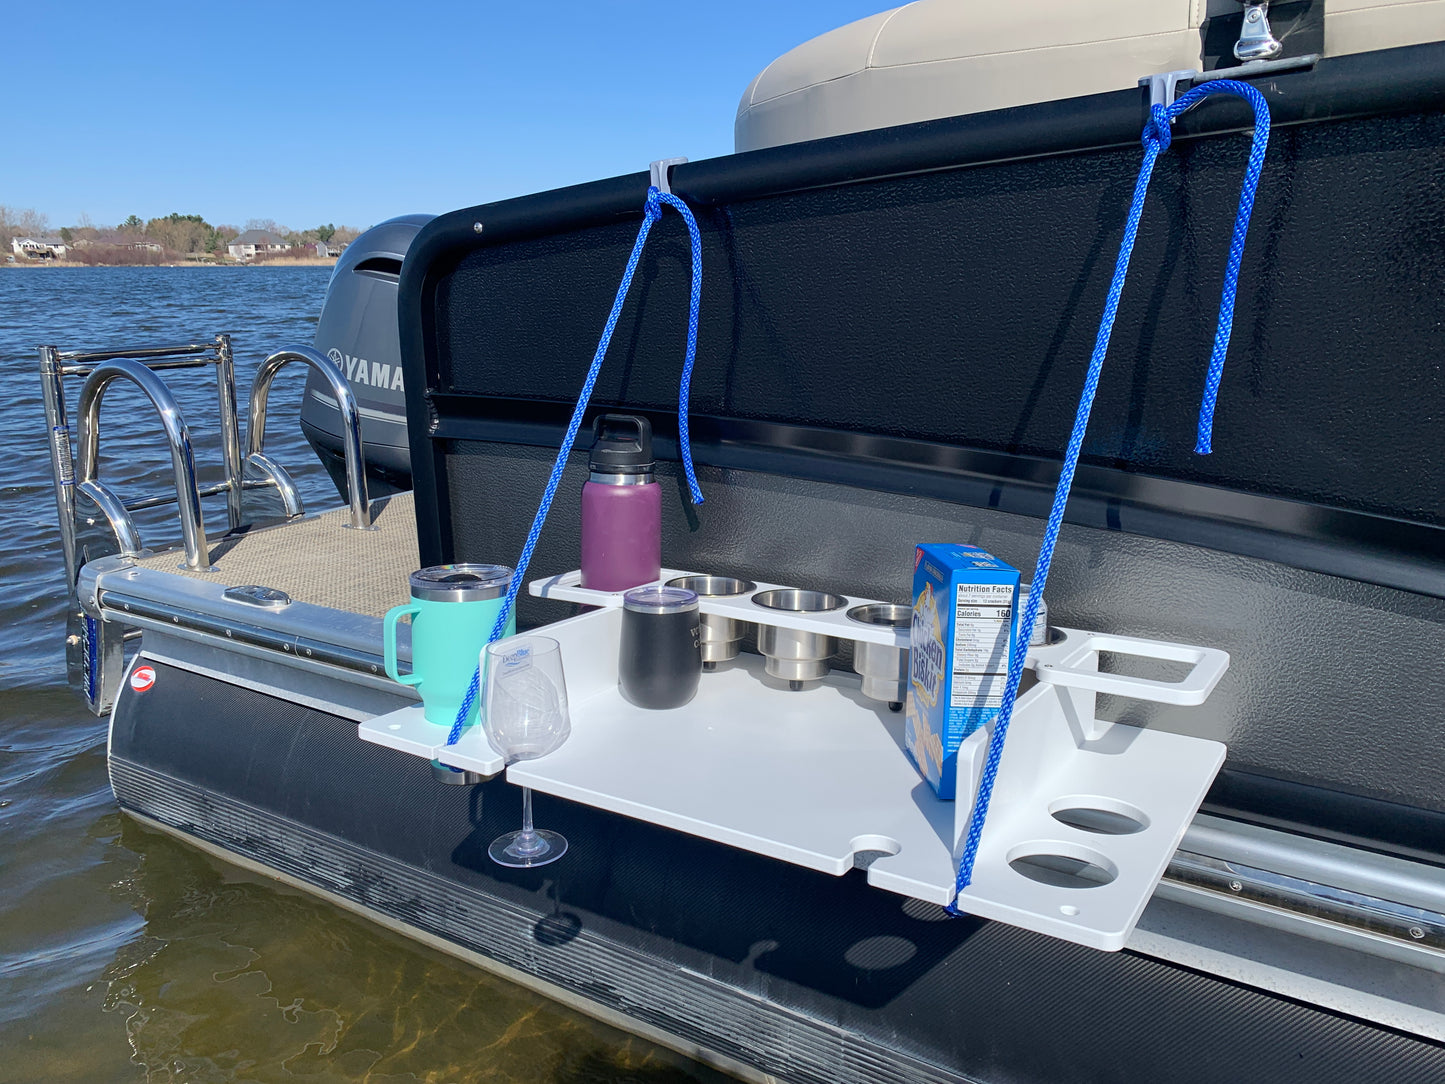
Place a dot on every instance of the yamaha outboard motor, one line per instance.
(358, 331)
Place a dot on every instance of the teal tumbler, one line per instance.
(453, 609)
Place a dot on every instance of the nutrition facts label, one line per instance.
(982, 615)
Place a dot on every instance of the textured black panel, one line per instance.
(960, 307)
(739, 953)
(910, 310)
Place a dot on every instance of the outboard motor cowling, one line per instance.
(358, 331)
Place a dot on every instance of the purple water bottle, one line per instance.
(621, 507)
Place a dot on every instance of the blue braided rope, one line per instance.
(684, 440)
(1257, 147)
(1156, 139)
(651, 212)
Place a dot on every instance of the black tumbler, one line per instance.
(660, 660)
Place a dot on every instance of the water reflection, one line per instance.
(235, 979)
(126, 956)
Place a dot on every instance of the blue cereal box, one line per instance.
(964, 599)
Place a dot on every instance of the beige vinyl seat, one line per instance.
(942, 58)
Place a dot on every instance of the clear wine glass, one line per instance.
(524, 715)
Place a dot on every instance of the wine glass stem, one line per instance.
(527, 843)
(527, 831)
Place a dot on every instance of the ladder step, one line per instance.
(215, 489)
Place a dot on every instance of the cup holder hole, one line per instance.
(884, 614)
(797, 600)
(1099, 815)
(1061, 865)
(714, 586)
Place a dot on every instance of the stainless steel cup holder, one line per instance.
(720, 636)
(793, 655)
(884, 669)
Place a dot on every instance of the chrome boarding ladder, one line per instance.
(94, 648)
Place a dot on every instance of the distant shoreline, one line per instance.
(311, 261)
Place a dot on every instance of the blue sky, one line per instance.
(310, 112)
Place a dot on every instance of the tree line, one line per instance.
(178, 235)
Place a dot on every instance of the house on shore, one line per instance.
(43, 248)
(327, 249)
(255, 243)
(118, 240)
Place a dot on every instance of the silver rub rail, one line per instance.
(350, 422)
(287, 643)
(1298, 895)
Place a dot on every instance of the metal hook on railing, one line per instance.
(350, 422)
(660, 173)
(1164, 86)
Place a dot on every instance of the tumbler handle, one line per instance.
(388, 640)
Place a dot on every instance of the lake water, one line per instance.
(127, 956)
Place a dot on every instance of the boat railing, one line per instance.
(183, 461)
(138, 364)
(356, 493)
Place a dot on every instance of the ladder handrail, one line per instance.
(178, 439)
(72, 359)
(356, 493)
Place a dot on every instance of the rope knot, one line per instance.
(652, 209)
(1157, 128)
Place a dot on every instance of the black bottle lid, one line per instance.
(621, 444)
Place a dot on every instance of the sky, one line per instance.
(315, 111)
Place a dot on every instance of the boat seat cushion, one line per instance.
(942, 58)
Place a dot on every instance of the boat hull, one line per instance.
(760, 967)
